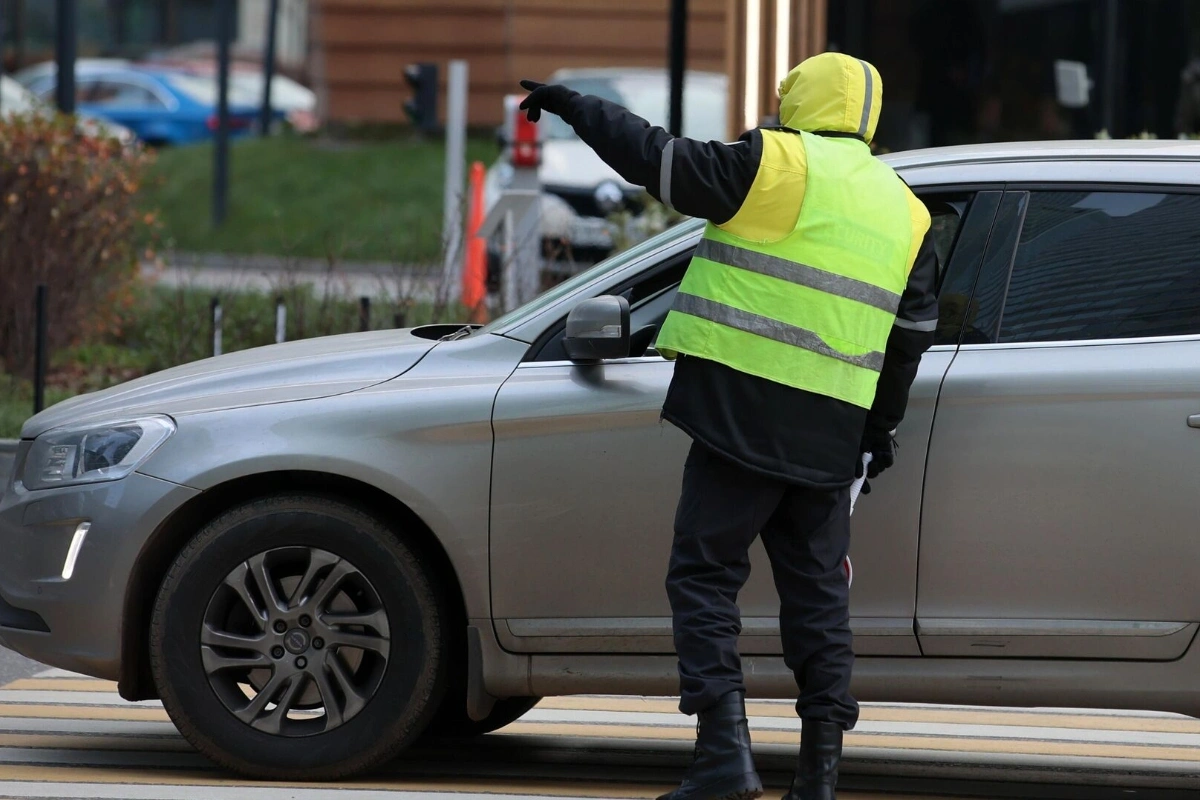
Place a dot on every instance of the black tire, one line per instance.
(452, 722)
(408, 684)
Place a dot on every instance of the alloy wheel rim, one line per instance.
(295, 641)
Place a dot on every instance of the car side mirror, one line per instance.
(598, 329)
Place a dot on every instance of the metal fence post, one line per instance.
(66, 21)
(220, 190)
(39, 350)
(216, 326)
(269, 67)
(456, 156)
(280, 320)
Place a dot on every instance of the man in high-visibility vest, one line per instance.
(797, 330)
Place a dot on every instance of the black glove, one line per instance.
(552, 97)
(882, 448)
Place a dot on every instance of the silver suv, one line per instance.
(317, 552)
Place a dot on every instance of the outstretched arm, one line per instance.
(709, 180)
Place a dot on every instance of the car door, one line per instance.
(1060, 513)
(586, 478)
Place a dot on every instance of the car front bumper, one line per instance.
(75, 622)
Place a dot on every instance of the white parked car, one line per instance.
(16, 99)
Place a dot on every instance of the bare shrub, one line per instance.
(68, 219)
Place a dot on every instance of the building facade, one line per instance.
(955, 71)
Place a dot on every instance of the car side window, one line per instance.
(122, 94)
(1104, 265)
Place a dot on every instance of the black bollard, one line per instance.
(364, 313)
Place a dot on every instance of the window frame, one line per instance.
(1009, 255)
(557, 329)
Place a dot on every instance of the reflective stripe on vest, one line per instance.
(812, 310)
(769, 328)
(799, 274)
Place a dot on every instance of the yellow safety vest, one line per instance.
(812, 310)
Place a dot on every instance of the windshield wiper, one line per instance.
(461, 333)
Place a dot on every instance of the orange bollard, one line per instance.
(474, 278)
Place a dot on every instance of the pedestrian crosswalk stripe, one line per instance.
(63, 685)
(65, 735)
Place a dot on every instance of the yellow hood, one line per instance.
(832, 92)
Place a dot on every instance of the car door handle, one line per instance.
(1194, 421)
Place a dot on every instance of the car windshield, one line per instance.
(703, 106)
(573, 284)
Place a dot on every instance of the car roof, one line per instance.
(1064, 150)
(51, 67)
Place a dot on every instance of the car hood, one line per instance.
(571, 163)
(300, 370)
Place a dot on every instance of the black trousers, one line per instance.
(807, 535)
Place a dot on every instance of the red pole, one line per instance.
(474, 288)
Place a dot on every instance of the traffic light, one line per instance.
(422, 108)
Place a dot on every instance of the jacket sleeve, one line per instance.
(912, 334)
(709, 180)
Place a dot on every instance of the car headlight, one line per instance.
(609, 197)
(90, 454)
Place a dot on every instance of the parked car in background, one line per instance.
(16, 99)
(581, 192)
(295, 103)
(160, 106)
(315, 550)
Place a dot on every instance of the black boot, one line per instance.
(817, 769)
(723, 768)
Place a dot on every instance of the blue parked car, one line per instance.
(160, 106)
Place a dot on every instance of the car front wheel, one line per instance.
(297, 637)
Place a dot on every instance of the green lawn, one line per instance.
(307, 198)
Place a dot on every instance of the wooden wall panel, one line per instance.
(365, 45)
